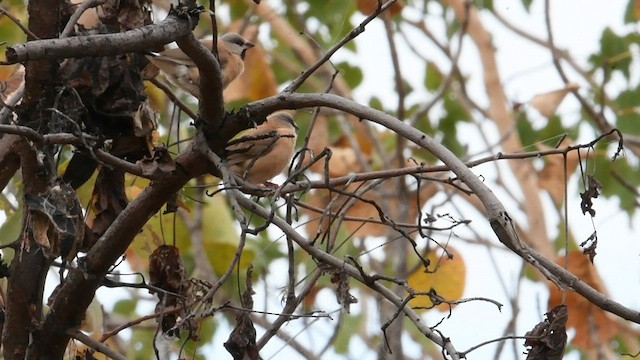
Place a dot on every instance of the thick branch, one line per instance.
(211, 105)
(104, 44)
(69, 305)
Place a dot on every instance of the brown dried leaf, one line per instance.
(108, 200)
(343, 295)
(57, 220)
(551, 336)
(548, 103)
(166, 272)
(158, 164)
(589, 321)
(368, 7)
(242, 340)
(40, 228)
(592, 192)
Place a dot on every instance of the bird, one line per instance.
(263, 152)
(183, 72)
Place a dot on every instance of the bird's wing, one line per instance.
(251, 145)
(164, 61)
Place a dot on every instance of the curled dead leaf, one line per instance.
(549, 337)
(166, 272)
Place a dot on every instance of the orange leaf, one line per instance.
(590, 322)
(446, 276)
(368, 7)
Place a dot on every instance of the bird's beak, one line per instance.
(248, 45)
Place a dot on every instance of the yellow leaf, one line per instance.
(446, 276)
(219, 237)
(93, 321)
(157, 98)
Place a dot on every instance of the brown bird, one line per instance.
(263, 152)
(183, 72)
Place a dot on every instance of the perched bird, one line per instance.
(183, 72)
(263, 152)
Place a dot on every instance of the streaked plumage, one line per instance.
(265, 151)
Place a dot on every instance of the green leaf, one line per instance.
(552, 131)
(352, 74)
(632, 12)
(627, 106)
(455, 111)
(432, 77)
(219, 237)
(125, 306)
(528, 136)
(350, 326)
(374, 102)
(10, 229)
(617, 178)
(238, 8)
(448, 128)
(485, 4)
(614, 52)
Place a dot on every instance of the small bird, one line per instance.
(263, 152)
(183, 72)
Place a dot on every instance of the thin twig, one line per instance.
(297, 82)
(30, 35)
(86, 4)
(95, 345)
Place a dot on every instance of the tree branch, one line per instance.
(103, 44)
(496, 213)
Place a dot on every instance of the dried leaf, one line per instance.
(590, 249)
(166, 272)
(592, 192)
(79, 169)
(57, 220)
(108, 200)
(589, 321)
(343, 296)
(551, 336)
(242, 340)
(158, 164)
(548, 103)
